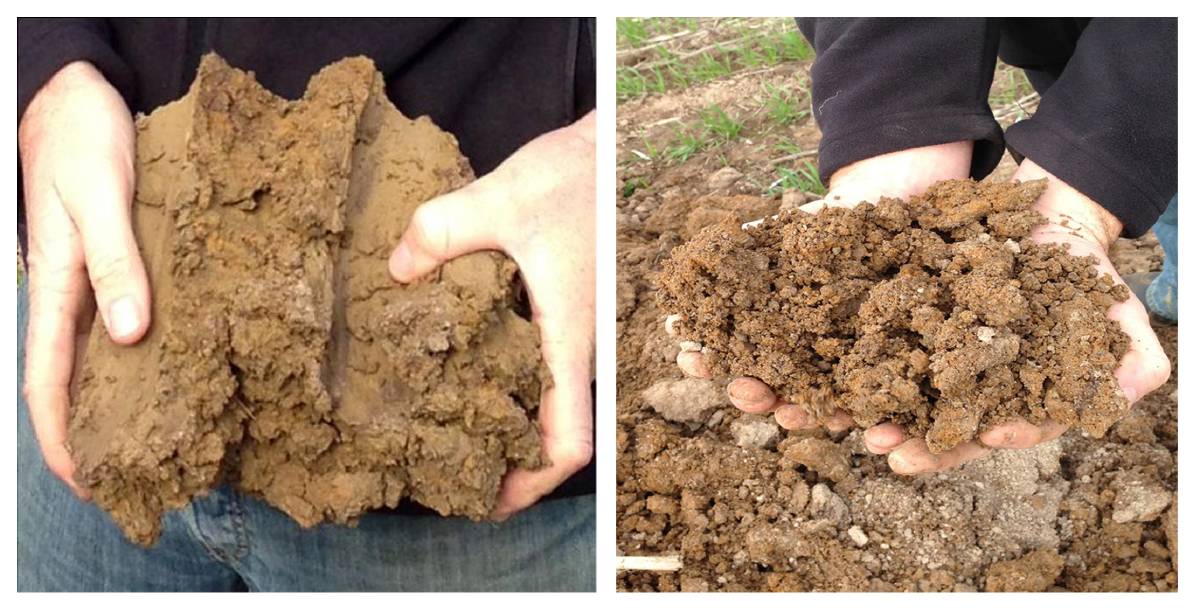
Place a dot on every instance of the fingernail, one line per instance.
(123, 317)
(400, 261)
(739, 392)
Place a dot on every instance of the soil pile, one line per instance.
(282, 357)
(939, 313)
(803, 511)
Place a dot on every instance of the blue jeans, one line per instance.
(229, 542)
(1162, 294)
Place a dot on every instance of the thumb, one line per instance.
(101, 211)
(1145, 366)
(443, 228)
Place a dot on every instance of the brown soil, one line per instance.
(772, 517)
(938, 314)
(801, 511)
(282, 357)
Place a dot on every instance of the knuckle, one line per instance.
(110, 269)
(574, 455)
(427, 232)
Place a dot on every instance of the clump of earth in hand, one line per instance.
(938, 313)
(282, 358)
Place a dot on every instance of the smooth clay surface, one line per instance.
(282, 357)
(939, 313)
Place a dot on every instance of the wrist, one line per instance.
(1067, 208)
(900, 174)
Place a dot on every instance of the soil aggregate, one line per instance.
(282, 358)
(939, 313)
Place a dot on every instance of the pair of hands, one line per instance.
(1090, 230)
(77, 147)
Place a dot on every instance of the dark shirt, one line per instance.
(493, 83)
(1107, 123)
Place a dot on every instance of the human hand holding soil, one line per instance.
(538, 207)
(1091, 230)
(76, 142)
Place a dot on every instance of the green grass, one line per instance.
(1013, 85)
(633, 32)
(754, 48)
(631, 186)
(719, 124)
(714, 127)
(783, 106)
(685, 145)
(804, 178)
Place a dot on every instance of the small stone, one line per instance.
(985, 334)
(688, 400)
(856, 534)
(670, 324)
(799, 500)
(1012, 245)
(1139, 501)
(821, 493)
(661, 504)
(754, 431)
(723, 178)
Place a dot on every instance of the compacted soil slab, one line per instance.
(282, 358)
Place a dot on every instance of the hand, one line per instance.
(76, 142)
(539, 207)
(1090, 230)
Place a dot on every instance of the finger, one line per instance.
(840, 421)
(446, 227)
(913, 457)
(563, 300)
(792, 417)
(101, 211)
(751, 395)
(565, 415)
(692, 364)
(883, 438)
(57, 288)
(814, 207)
(1145, 366)
(1017, 434)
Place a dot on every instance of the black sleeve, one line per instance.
(1109, 125)
(46, 44)
(884, 85)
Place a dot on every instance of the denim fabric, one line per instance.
(229, 542)
(1162, 294)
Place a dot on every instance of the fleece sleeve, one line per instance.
(44, 45)
(884, 85)
(1109, 125)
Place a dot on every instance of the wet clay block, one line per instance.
(939, 313)
(282, 358)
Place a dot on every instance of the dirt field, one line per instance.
(713, 118)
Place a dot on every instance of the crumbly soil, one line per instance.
(787, 511)
(938, 314)
(282, 357)
(804, 511)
